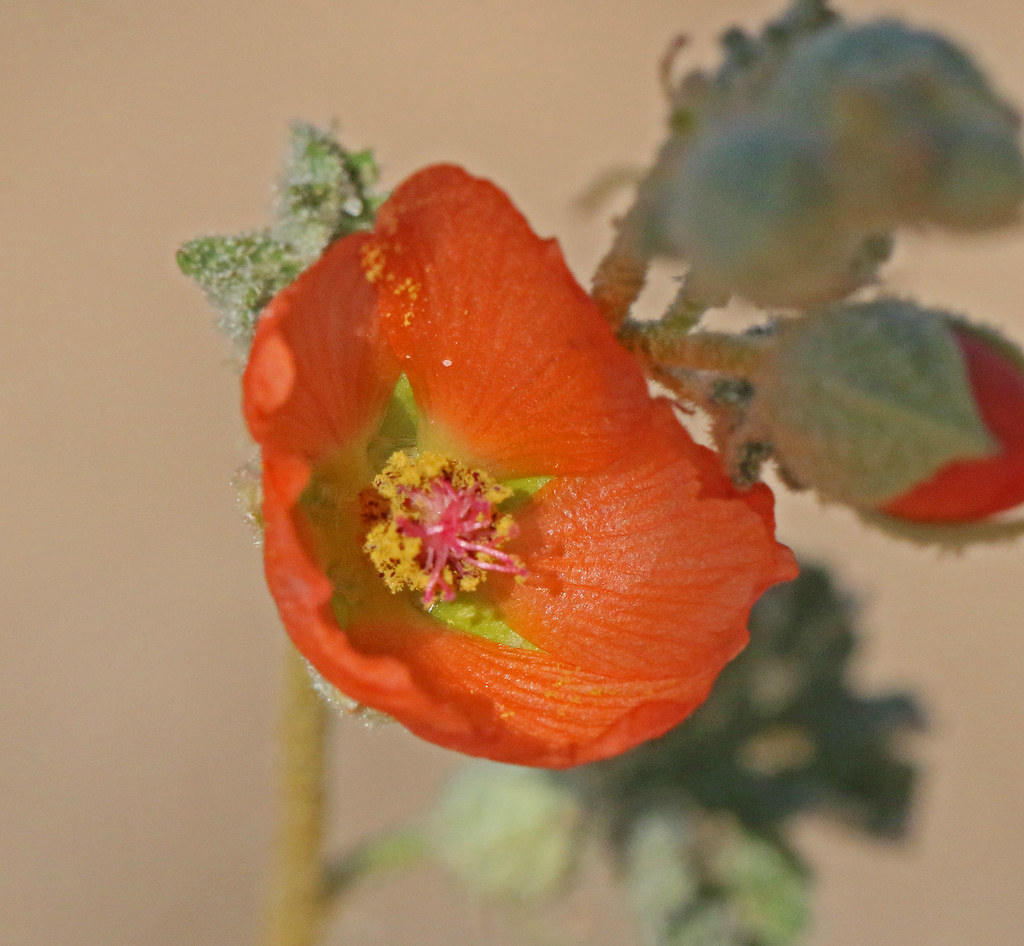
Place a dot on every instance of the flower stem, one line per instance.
(296, 899)
(621, 275)
(685, 310)
(665, 346)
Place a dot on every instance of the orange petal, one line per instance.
(648, 570)
(462, 692)
(303, 595)
(319, 373)
(509, 359)
(527, 708)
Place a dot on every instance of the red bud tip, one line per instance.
(965, 491)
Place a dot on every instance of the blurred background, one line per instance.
(140, 651)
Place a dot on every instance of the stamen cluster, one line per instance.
(434, 526)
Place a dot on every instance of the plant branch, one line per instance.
(666, 346)
(296, 902)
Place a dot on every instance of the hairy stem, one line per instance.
(621, 275)
(665, 346)
(296, 898)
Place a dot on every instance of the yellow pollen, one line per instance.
(433, 526)
(409, 287)
(372, 261)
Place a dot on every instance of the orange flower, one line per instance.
(477, 520)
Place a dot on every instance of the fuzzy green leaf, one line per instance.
(507, 832)
(767, 887)
(661, 876)
(239, 275)
(326, 192)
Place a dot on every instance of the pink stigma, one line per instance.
(458, 530)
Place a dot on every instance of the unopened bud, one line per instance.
(752, 207)
(919, 134)
(866, 402)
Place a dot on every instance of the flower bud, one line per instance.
(919, 135)
(752, 207)
(888, 406)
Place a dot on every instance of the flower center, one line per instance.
(434, 526)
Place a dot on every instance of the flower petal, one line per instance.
(508, 357)
(319, 373)
(530, 709)
(647, 570)
(460, 691)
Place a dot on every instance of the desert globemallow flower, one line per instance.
(477, 519)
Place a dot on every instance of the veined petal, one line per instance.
(508, 357)
(464, 692)
(319, 374)
(646, 570)
(528, 708)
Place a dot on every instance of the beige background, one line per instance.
(139, 647)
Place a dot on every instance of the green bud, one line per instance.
(977, 179)
(918, 71)
(750, 62)
(918, 133)
(507, 832)
(752, 207)
(864, 401)
(815, 140)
